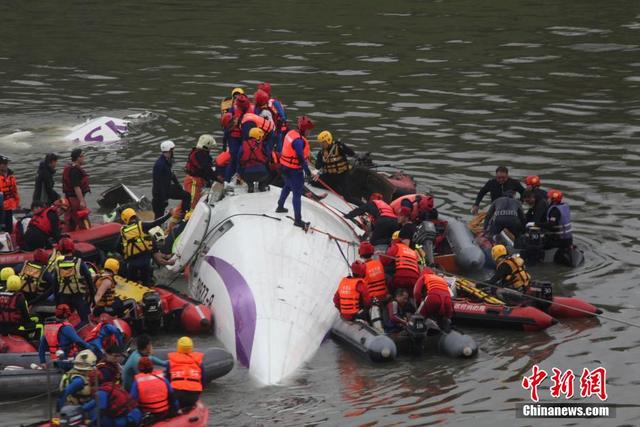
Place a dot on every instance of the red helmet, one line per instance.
(62, 311)
(366, 249)
(375, 196)
(425, 204)
(145, 364)
(66, 245)
(261, 97)
(266, 87)
(40, 256)
(358, 269)
(532, 180)
(405, 211)
(242, 102)
(225, 120)
(304, 123)
(555, 195)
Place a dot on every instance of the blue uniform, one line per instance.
(74, 386)
(134, 417)
(131, 367)
(106, 331)
(67, 336)
(294, 181)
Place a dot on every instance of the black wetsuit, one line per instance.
(497, 190)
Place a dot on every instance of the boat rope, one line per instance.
(343, 255)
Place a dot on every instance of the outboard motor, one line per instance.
(71, 415)
(531, 244)
(152, 309)
(425, 236)
(417, 331)
(542, 290)
(375, 314)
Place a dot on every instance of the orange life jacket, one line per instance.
(384, 208)
(376, 281)
(153, 394)
(349, 296)
(223, 159)
(288, 157)
(265, 124)
(252, 153)
(9, 188)
(434, 282)
(185, 371)
(406, 259)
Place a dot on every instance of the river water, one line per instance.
(445, 90)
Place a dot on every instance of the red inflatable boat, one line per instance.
(193, 316)
(482, 314)
(86, 251)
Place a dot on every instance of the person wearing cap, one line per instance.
(153, 391)
(14, 312)
(497, 187)
(38, 283)
(293, 162)
(165, 184)
(352, 296)
(74, 281)
(75, 185)
(185, 373)
(199, 168)
(253, 160)
(505, 213)
(11, 197)
(381, 215)
(60, 335)
(43, 190)
(44, 228)
(401, 262)
(144, 348)
(399, 309)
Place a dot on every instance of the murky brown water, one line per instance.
(444, 90)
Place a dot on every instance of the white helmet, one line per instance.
(157, 234)
(206, 141)
(167, 145)
(85, 360)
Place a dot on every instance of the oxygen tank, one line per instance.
(376, 316)
(469, 257)
(425, 236)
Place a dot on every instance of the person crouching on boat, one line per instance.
(14, 312)
(374, 273)
(105, 283)
(153, 392)
(110, 367)
(199, 168)
(401, 262)
(73, 279)
(332, 161)
(505, 213)
(431, 292)
(60, 336)
(116, 408)
(38, 283)
(75, 384)
(293, 162)
(253, 161)
(137, 245)
(384, 219)
(185, 373)
(510, 270)
(398, 311)
(352, 296)
(104, 335)
(44, 228)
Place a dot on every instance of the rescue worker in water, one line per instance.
(497, 187)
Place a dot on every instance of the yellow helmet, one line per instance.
(498, 251)
(85, 360)
(256, 133)
(127, 214)
(6, 272)
(395, 235)
(237, 90)
(185, 345)
(14, 283)
(112, 264)
(326, 137)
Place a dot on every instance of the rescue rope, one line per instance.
(343, 256)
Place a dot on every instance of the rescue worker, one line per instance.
(165, 184)
(505, 213)
(105, 283)
(352, 296)
(401, 262)
(116, 408)
(104, 335)
(73, 279)
(199, 168)
(43, 190)
(510, 270)
(431, 292)
(537, 212)
(384, 220)
(5, 273)
(110, 368)
(533, 183)
(185, 373)
(144, 348)
(14, 312)
(398, 311)
(421, 207)
(137, 245)
(557, 227)
(232, 122)
(497, 187)
(333, 163)
(253, 160)
(11, 197)
(37, 282)
(153, 392)
(76, 383)
(75, 185)
(293, 162)
(226, 106)
(278, 115)
(374, 273)
(60, 335)
(222, 161)
(44, 228)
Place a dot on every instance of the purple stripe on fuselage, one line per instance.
(243, 304)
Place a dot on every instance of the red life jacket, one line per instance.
(40, 220)
(106, 341)
(384, 209)
(236, 121)
(433, 282)
(10, 313)
(223, 159)
(119, 402)
(288, 157)
(281, 125)
(265, 124)
(153, 394)
(51, 331)
(67, 188)
(406, 261)
(193, 167)
(375, 278)
(252, 153)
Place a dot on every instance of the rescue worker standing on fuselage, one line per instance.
(333, 163)
(137, 245)
(199, 168)
(278, 115)
(384, 219)
(75, 185)
(510, 270)
(295, 153)
(252, 161)
(185, 373)
(44, 228)
(165, 184)
(37, 283)
(73, 279)
(11, 197)
(232, 121)
(497, 187)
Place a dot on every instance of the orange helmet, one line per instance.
(366, 249)
(40, 256)
(304, 123)
(555, 195)
(533, 180)
(261, 97)
(265, 86)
